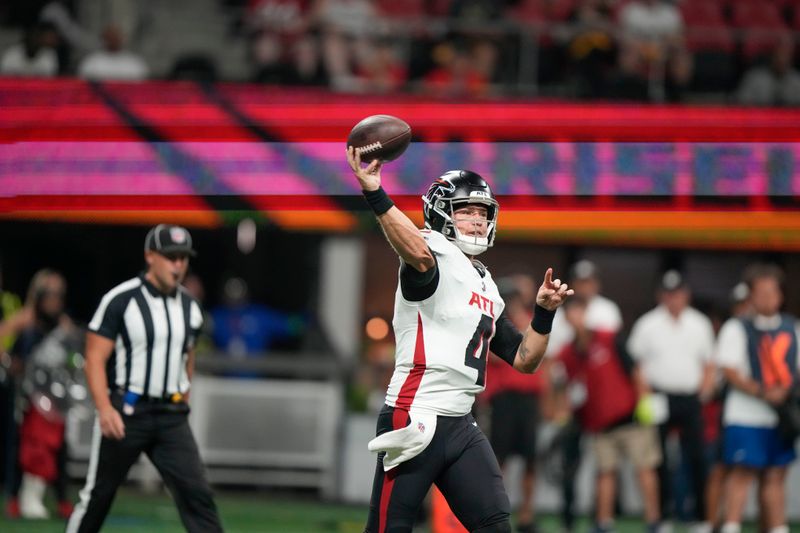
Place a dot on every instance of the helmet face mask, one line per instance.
(453, 190)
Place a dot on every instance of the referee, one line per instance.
(139, 362)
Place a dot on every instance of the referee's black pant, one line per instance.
(162, 432)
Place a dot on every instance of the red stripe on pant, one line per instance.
(400, 417)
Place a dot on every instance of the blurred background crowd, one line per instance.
(704, 51)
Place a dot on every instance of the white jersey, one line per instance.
(443, 341)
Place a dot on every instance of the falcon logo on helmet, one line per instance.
(451, 191)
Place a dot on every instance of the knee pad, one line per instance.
(497, 527)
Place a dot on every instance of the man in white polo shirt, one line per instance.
(673, 344)
(758, 355)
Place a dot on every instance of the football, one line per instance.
(382, 137)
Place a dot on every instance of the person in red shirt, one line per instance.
(514, 400)
(606, 389)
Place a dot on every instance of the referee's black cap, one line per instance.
(169, 239)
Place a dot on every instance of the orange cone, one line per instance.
(442, 518)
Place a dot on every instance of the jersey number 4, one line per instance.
(478, 348)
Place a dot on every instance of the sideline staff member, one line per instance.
(139, 362)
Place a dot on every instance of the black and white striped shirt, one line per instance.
(152, 333)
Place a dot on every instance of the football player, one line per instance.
(448, 314)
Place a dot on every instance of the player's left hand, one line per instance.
(553, 292)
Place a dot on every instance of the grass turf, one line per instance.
(249, 512)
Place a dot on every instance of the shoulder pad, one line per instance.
(438, 243)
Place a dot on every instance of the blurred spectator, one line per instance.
(610, 387)
(275, 27)
(758, 354)
(601, 316)
(514, 399)
(304, 66)
(673, 343)
(72, 36)
(113, 62)
(307, 67)
(203, 344)
(457, 74)
(377, 373)
(739, 302)
(41, 447)
(476, 19)
(476, 12)
(485, 54)
(652, 30)
(651, 23)
(35, 56)
(479, 26)
(13, 319)
(777, 83)
(630, 80)
(380, 70)
(591, 47)
(346, 27)
(678, 71)
(244, 329)
(13, 316)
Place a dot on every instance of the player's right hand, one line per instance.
(370, 176)
(111, 424)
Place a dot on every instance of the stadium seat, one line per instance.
(402, 9)
(703, 13)
(712, 44)
(751, 14)
(439, 8)
(759, 22)
(706, 28)
(561, 10)
(716, 38)
(528, 11)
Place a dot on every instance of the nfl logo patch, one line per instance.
(421, 427)
(178, 235)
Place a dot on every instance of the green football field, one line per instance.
(249, 512)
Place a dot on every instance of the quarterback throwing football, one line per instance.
(448, 314)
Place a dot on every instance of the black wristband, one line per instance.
(378, 200)
(542, 321)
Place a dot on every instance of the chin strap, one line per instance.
(472, 245)
(470, 248)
